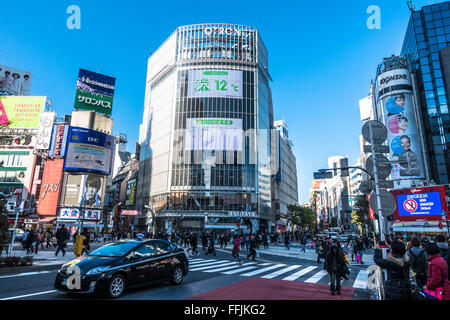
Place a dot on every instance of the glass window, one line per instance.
(446, 23)
(162, 247)
(437, 74)
(444, 6)
(424, 61)
(438, 23)
(434, 48)
(431, 31)
(427, 9)
(446, 14)
(430, 27)
(419, 30)
(442, 39)
(439, 82)
(428, 17)
(432, 40)
(423, 53)
(435, 56)
(436, 65)
(428, 85)
(444, 109)
(440, 31)
(431, 103)
(437, 15)
(145, 251)
(442, 100)
(426, 77)
(440, 91)
(429, 94)
(114, 250)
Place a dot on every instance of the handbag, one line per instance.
(436, 294)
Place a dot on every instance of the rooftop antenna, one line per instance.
(411, 6)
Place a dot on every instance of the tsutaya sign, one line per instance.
(225, 31)
(249, 214)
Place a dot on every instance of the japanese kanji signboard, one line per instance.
(215, 84)
(94, 92)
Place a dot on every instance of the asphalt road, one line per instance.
(39, 285)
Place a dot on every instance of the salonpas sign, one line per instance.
(94, 92)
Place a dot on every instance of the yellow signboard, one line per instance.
(21, 111)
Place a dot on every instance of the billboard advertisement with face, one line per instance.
(14, 81)
(84, 190)
(50, 187)
(395, 92)
(21, 112)
(89, 151)
(95, 91)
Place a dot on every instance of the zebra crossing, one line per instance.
(304, 273)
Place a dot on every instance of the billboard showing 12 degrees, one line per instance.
(215, 84)
(95, 92)
(21, 112)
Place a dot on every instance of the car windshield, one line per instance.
(114, 250)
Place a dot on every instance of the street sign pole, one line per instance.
(17, 209)
(377, 187)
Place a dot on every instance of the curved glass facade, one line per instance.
(207, 130)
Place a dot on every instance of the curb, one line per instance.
(14, 270)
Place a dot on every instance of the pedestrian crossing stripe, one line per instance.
(309, 273)
(214, 266)
(300, 273)
(280, 272)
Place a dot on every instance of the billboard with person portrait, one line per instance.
(14, 81)
(396, 99)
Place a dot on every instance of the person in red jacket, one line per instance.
(236, 249)
(437, 271)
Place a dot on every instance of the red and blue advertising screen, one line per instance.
(420, 203)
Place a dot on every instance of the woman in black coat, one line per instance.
(397, 264)
(334, 265)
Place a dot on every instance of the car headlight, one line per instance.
(96, 270)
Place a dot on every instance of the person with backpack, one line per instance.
(211, 248)
(397, 264)
(443, 247)
(418, 258)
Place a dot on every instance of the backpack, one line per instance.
(416, 265)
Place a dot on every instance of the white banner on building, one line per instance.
(215, 84)
(45, 130)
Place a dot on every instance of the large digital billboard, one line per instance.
(395, 91)
(14, 81)
(213, 134)
(88, 151)
(426, 203)
(95, 91)
(21, 112)
(50, 187)
(215, 84)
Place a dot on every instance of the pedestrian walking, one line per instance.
(194, 242)
(211, 248)
(303, 243)
(359, 249)
(28, 243)
(286, 240)
(236, 249)
(86, 242)
(204, 238)
(319, 249)
(351, 248)
(438, 282)
(397, 264)
(62, 235)
(252, 246)
(335, 266)
(418, 258)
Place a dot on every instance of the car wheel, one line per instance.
(177, 276)
(116, 286)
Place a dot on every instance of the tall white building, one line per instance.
(206, 131)
(286, 187)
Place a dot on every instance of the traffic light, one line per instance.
(440, 225)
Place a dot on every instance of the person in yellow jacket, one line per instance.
(79, 245)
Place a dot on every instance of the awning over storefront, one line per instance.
(414, 226)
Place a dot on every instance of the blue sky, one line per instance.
(322, 57)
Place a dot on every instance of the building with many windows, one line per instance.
(206, 131)
(427, 36)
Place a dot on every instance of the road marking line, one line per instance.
(197, 259)
(232, 267)
(361, 280)
(249, 274)
(201, 264)
(24, 274)
(315, 278)
(300, 273)
(29, 295)
(239, 270)
(280, 272)
(214, 266)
